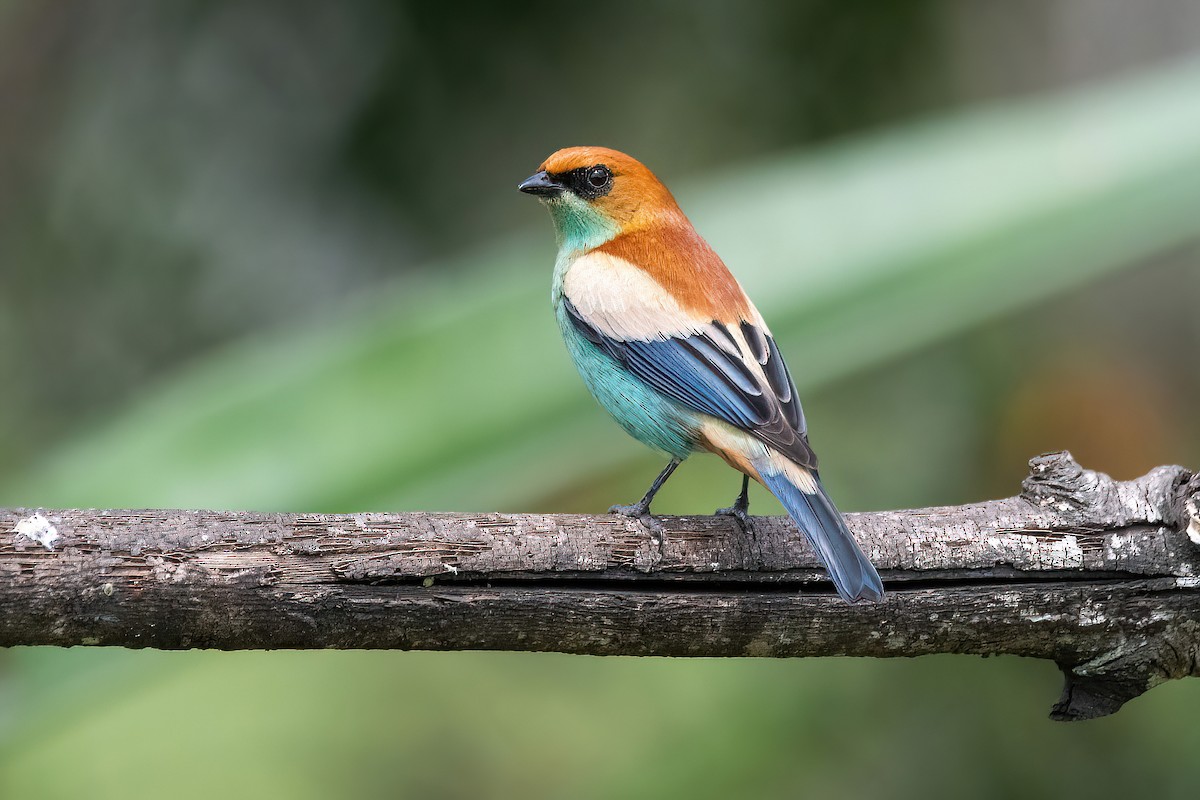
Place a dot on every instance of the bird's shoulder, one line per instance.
(677, 259)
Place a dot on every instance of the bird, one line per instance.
(670, 345)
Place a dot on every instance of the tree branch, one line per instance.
(1095, 574)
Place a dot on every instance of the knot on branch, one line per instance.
(1078, 496)
(1187, 509)
(1057, 480)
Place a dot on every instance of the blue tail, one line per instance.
(821, 523)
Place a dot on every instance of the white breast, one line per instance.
(624, 302)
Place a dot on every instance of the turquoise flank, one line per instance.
(579, 226)
(646, 415)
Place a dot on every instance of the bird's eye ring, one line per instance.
(599, 176)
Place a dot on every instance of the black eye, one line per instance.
(598, 177)
(590, 183)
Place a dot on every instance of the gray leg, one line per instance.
(641, 509)
(740, 510)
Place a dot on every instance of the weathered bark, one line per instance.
(1098, 575)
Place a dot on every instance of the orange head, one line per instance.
(595, 193)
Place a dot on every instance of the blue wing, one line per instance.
(707, 372)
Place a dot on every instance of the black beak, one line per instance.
(540, 183)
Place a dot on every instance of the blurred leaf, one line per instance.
(459, 395)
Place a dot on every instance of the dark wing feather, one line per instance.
(699, 373)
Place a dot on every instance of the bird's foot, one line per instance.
(641, 512)
(739, 511)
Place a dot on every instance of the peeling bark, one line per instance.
(1097, 575)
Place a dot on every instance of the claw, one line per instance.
(641, 512)
(637, 510)
(737, 512)
(740, 510)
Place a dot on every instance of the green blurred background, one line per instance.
(270, 255)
